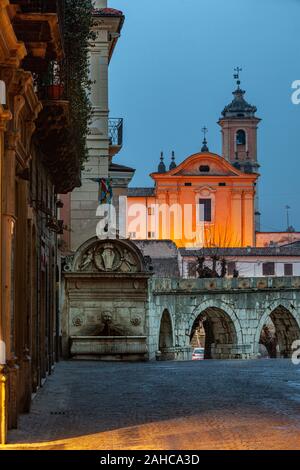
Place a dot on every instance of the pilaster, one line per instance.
(236, 218)
(248, 221)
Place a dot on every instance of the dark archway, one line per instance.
(279, 333)
(166, 342)
(214, 330)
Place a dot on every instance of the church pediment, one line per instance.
(205, 164)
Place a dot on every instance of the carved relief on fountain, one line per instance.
(108, 256)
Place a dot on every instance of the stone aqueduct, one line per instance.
(116, 308)
(237, 310)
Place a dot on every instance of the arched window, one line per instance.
(241, 137)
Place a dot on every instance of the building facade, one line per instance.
(208, 200)
(100, 175)
(35, 167)
(204, 201)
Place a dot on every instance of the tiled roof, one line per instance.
(107, 12)
(287, 250)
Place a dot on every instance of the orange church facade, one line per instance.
(208, 200)
(205, 201)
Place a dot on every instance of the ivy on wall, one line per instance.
(78, 35)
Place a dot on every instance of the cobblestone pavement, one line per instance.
(185, 405)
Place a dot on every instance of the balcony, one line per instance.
(37, 6)
(55, 130)
(39, 24)
(115, 126)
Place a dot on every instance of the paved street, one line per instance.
(200, 405)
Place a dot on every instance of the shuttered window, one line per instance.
(288, 269)
(269, 269)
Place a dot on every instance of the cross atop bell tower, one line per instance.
(204, 143)
(239, 130)
(237, 75)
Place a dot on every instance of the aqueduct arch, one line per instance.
(221, 337)
(166, 336)
(286, 324)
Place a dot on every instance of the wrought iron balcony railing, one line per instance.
(51, 84)
(116, 131)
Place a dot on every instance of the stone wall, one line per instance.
(237, 309)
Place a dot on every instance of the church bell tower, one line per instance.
(239, 135)
(239, 131)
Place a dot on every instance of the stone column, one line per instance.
(4, 117)
(8, 241)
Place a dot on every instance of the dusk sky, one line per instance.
(172, 73)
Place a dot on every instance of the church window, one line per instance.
(150, 210)
(241, 137)
(205, 210)
(204, 169)
(151, 235)
(132, 235)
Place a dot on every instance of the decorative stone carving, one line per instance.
(136, 321)
(68, 264)
(77, 321)
(87, 259)
(107, 317)
(109, 256)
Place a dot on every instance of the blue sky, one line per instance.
(172, 72)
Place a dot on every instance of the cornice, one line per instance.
(12, 51)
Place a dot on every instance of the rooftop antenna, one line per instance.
(236, 75)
